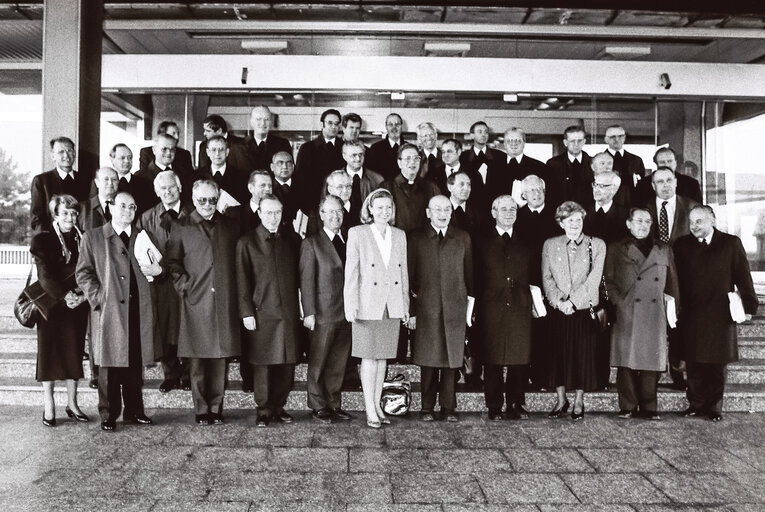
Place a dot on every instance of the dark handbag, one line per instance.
(33, 303)
(396, 396)
(604, 314)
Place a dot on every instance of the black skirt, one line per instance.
(574, 350)
(61, 343)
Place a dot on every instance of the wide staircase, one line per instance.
(745, 389)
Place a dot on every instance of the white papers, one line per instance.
(538, 309)
(225, 201)
(517, 190)
(470, 306)
(300, 224)
(669, 302)
(146, 252)
(737, 312)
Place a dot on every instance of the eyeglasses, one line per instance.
(622, 136)
(333, 212)
(411, 159)
(123, 206)
(349, 186)
(68, 213)
(206, 200)
(602, 185)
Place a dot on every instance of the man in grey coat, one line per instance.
(121, 309)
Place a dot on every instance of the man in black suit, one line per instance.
(289, 191)
(96, 211)
(464, 215)
(322, 263)
(351, 127)
(316, 159)
(382, 156)
(221, 170)
(427, 139)
(340, 185)
(238, 157)
(484, 166)
(158, 222)
(628, 166)
(710, 265)
(517, 164)
(568, 171)
(136, 185)
(363, 180)
(64, 179)
(450, 164)
(165, 151)
(263, 144)
(686, 186)
(182, 159)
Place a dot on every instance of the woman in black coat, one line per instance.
(60, 338)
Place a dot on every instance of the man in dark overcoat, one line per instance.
(268, 281)
(122, 313)
(711, 264)
(201, 260)
(567, 171)
(440, 262)
(503, 309)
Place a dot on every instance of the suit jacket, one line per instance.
(248, 219)
(410, 200)
(467, 219)
(609, 226)
(260, 157)
(627, 166)
(427, 167)
(322, 275)
(565, 180)
(233, 181)
(182, 159)
(268, 281)
(483, 193)
(533, 229)
(238, 155)
(103, 274)
(707, 274)
(370, 286)
(383, 159)
(91, 215)
(440, 278)
(48, 184)
(203, 270)
(681, 226)
(636, 284)
(139, 187)
(315, 161)
(687, 187)
(573, 277)
(503, 302)
(512, 171)
(186, 175)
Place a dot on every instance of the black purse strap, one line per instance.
(602, 276)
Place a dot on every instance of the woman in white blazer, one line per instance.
(376, 295)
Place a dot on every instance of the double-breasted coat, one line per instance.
(636, 285)
(203, 272)
(707, 274)
(268, 281)
(503, 299)
(322, 276)
(103, 274)
(440, 279)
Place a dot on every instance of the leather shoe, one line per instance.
(186, 385)
(215, 418)
(202, 419)
(559, 411)
(495, 415)
(168, 385)
(520, 412)
(93, 384)
(650, 415)
(715, 416)
(450, 416)
(576, 416)
(108, 425)
(247, 388)
(374, 424)
(341, 415)
(626, 414)
(262, 420)
(426, 416)
(49, 423)
(284, 416)
(322, 415)
(82, 418)
(690, 412)
(138, 419)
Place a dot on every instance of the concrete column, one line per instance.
(680, 126)
(71, 77)
(181, 109)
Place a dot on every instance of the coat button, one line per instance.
(395, 282)
(122, 301)
(654, 300)
(373, 264)
(655, 278)
(375, 283)
(122, 277)
(639, 278)
(637, 300)
(212, 290)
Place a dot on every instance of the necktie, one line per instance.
(285, 189)
(440, 235)
(395, 149)
(663, 223)
(125, 239)
(330, 145)
(339, 247)
(68, 185)
(272, 236)
(123, 185)
(449, 171)
(172, 213)
(356, 199)
(261, 145)
(107, 212)
(481, 156)
(431, 161)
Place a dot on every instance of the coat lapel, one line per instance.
(327, 247)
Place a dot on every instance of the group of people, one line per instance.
(400, 251)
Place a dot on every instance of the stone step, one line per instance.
(17, 391)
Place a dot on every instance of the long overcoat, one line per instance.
(440, 279)
(707, 274)
(103, 274)
(636, 284)
(268, 281)
(203, 272)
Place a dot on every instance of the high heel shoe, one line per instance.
(577, 416)
(374, 424)
(49, 423)
(558, 411)
(82, 418)
(383, 419)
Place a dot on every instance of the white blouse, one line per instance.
(384, 242)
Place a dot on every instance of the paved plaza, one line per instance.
(602, 463)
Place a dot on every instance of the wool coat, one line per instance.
(103, 274)
(203, 272)
(636, 285)
(440, 278)
(322, 276)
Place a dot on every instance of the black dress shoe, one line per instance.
(322, 415)
(137, 419)
(714, 416)
(650, 415)
(262, 420)
(108, 425)
(202, 419)
(512, 414)
(626, 414)
(450, 416)
(426, 416)
(247, 389)
(186, 385)
(495, 415)
(283, 416)
(520, 412)
(93, 384)
(576, 416)
(82, 418)
(49, 423)
(691, 412)
(341, 415)
(215, 418)
(557, 412)
(169, 385)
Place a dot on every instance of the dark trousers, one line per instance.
(637, 389)
(404, 337)
(245, 366)
(327, 357)
(441, 381)
(173, 367)
(116, 381)
(674, 356)
(272, 384)
(513, 386)
(603, 361)
(208, 379)
(706, 385)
